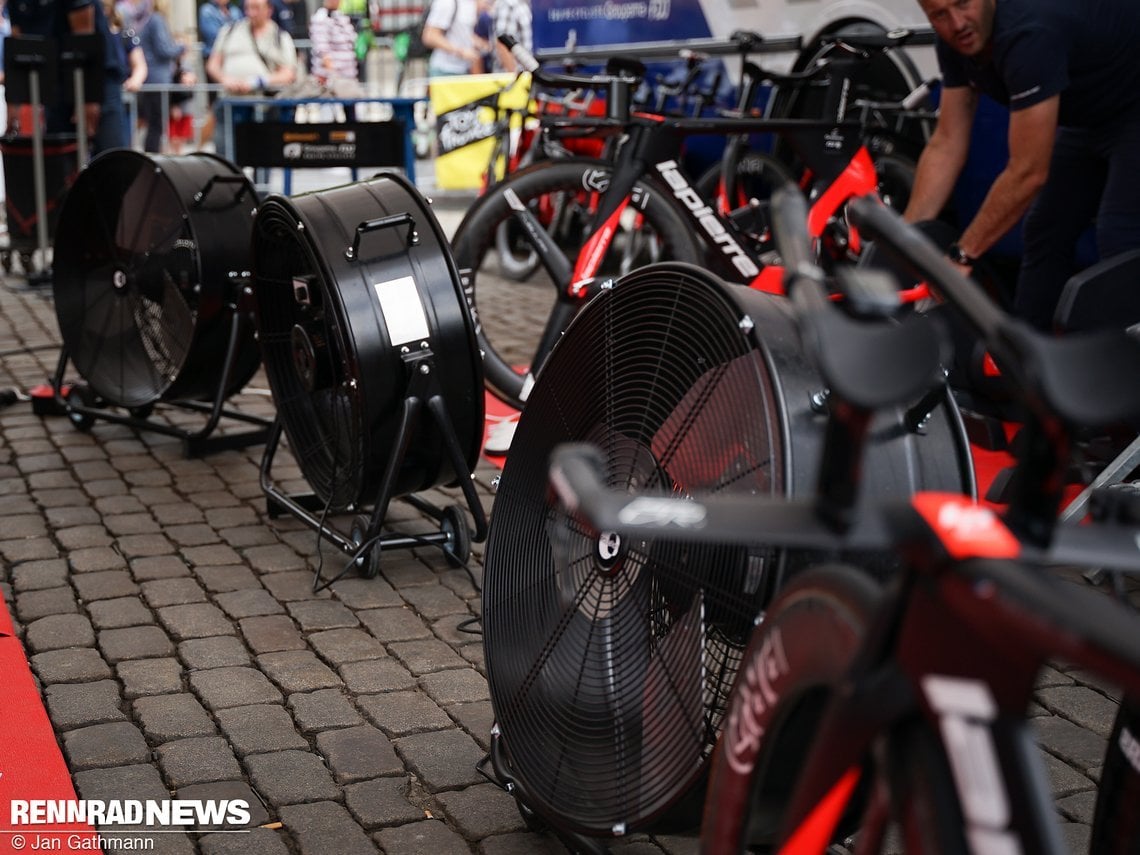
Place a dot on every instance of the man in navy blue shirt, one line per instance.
(1069, 71)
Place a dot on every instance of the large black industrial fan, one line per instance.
(610, 660)
(371, 356)
(147, 269)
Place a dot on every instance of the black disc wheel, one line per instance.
(511, 305)
(81, 396)
(454, 525)
(368, 561)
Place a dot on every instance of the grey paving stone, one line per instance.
(314, 615)
(458, 629)
(1076, 837)
(198, 620)
(140, 781)
(260, 728)
(1077, 746)
(1079, 807)
(427, 837)
(260, 841)
(276, 558)
(219, 580)
(73, 665)
(177, 513)
(73, 705)
(213, 555)
(443, 759)
(476, 719)
(199, 760)
(679, 844)
(35, 549)
(481, 811)
(32, 605)
(376, 675)
(298, 671)
(322, 710)
(434, 601)
(247, 536)
(1081, 705)
(249, 603)
(326, 827)
(165, 718)
(403, 713)
(233, 687)
(399, 624)
(145, 545)
(293, 585)
(271, 634)
(191, 534)
(56, 632)
(358, 753)
(457, 686)
(218, 651)
(427, 656)
(158, 567)
(404, 570)
(474, 655)
(95, 559)
(381, 802)
(291, 777)
(135, 642)
(1049, 676)
(100, 745)
(360, 593)
(142, 523)
(119, 612)
(1064, 779)
(39, 575)
(229, 791)
(521, 844)
(346, 645)
(143, 677)
(179, 591)
(459, 582)
(84, 537)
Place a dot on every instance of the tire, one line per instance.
(1116, 822)
(896, 180)
(758, 175)
(813, 627)
(510, 315)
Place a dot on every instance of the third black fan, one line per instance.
(610, 661)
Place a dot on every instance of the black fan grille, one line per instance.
(305, 355)
(124, 270)
(609, 673)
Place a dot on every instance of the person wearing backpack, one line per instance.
(251, 57)
(449, 31)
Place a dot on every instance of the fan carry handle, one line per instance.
(240, 180)
(352, 253)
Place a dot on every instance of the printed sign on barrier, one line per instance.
(285, 144)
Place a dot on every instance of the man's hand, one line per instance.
(91, 114)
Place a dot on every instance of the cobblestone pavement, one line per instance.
(180, 650)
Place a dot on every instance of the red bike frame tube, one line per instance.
(816, 831)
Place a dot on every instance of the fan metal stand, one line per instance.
(83, 407)
(504, 777)
(366, 540)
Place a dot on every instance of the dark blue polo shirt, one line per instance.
(49, 18)
(1088, 51)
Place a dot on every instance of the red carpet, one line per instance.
(31, 765)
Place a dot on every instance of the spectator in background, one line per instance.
(213, 15)
(162, 53)
(484, 33)
(332, 44)
(511, 18)
(126, 43)
(252, 57)
(449, 32)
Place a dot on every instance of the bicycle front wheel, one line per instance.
(792, 663)
(510, 295)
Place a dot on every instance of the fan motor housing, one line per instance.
(356, 297)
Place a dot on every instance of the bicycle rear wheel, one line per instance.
(511, 308)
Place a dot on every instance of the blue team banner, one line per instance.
(612, 22)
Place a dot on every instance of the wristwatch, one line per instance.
(959, 256)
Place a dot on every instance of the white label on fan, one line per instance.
(403, 310)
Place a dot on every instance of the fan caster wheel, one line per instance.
(6, 261)
(533, 821)
(454, 524)
(81, 395)
(142, 412)
(369, 562)
(26, 263)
